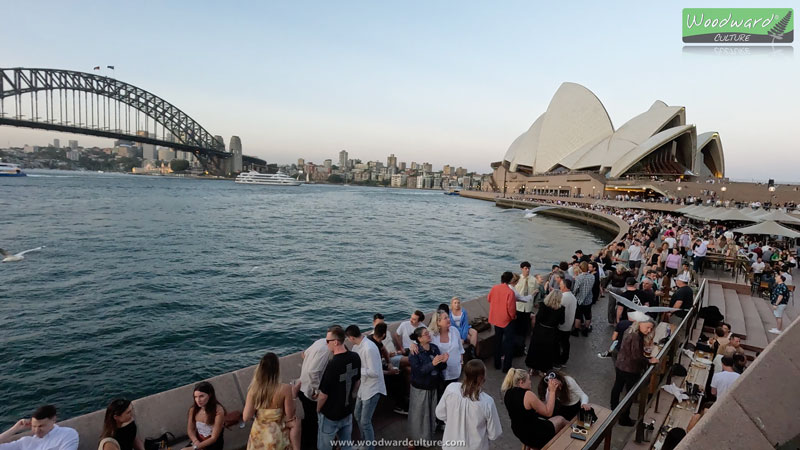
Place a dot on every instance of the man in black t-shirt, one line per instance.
(337, 391)
(682, 298)
(633, 294)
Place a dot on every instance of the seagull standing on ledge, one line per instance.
(8, 257)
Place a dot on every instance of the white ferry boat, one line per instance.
(271, 179)
(10, 170)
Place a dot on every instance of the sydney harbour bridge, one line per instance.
(84, 103)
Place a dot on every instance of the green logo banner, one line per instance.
(738, 25)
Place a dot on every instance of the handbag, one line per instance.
(232, 418)
(160, 442)
(480, 324)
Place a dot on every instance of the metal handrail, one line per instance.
(603, 433)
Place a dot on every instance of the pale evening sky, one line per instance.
(444, 82)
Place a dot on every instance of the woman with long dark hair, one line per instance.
(206, 419)
(271, 403)
(120, 426)
(570, 398)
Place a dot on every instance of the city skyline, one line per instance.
(438, 82)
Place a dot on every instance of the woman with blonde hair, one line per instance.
(542, 348)
(271, 403)
(460, 319)
(447, 338)
(470, 414)
(532, 420)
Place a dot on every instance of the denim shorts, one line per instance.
(779, 310)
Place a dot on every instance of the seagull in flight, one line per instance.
(8, 257)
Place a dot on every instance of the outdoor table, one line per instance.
(562, 439)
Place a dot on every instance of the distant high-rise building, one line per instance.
(301, 163)
(166, 154)
(328, 164)
(73, 145)
(56, 143)
(236, 148)
(446, 170)
(399, 180)
(414, 166)
(391, 161)
(402, 167)
(149, 152)
(460, 172)
(427, 167)
(343, 160)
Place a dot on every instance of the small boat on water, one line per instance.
(10, 170)
(269, 179)
(453, 192)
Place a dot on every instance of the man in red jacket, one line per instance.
(502, 312)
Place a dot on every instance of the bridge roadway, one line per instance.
(166, 411)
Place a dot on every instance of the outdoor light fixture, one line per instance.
(724, 188)
(772, 188)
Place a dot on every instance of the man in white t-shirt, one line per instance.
(315, 359)
(46, 435)
(758, 266)
(635, 257)
(402, 337)
(372, 383)
(670, 240)
(402, 344)
(722, 381)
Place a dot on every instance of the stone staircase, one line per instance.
(751, 317)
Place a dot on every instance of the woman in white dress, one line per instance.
(470, 414)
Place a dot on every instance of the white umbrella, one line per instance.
(737, 214)
(779, 216)
(769, 228)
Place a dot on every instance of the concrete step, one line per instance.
(734, 314)
(716, 298)
(756, 334)
(767, 317)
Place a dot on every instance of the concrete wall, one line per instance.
(607, 222)
(168, 411)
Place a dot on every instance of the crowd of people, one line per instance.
(430, 371)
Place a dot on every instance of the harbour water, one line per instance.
(148, 283)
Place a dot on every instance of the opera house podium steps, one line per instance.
(751, 317)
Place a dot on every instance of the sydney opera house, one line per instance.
(575, 136)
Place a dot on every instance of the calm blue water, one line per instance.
(148, 283)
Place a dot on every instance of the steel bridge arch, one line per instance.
(190, 135)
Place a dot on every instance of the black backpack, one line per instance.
(711, 316)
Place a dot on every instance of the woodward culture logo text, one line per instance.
(738, 25)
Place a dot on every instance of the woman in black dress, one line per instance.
(531, 419)
(542, 349)
(119, 426)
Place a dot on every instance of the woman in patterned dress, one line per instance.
(271, 403)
